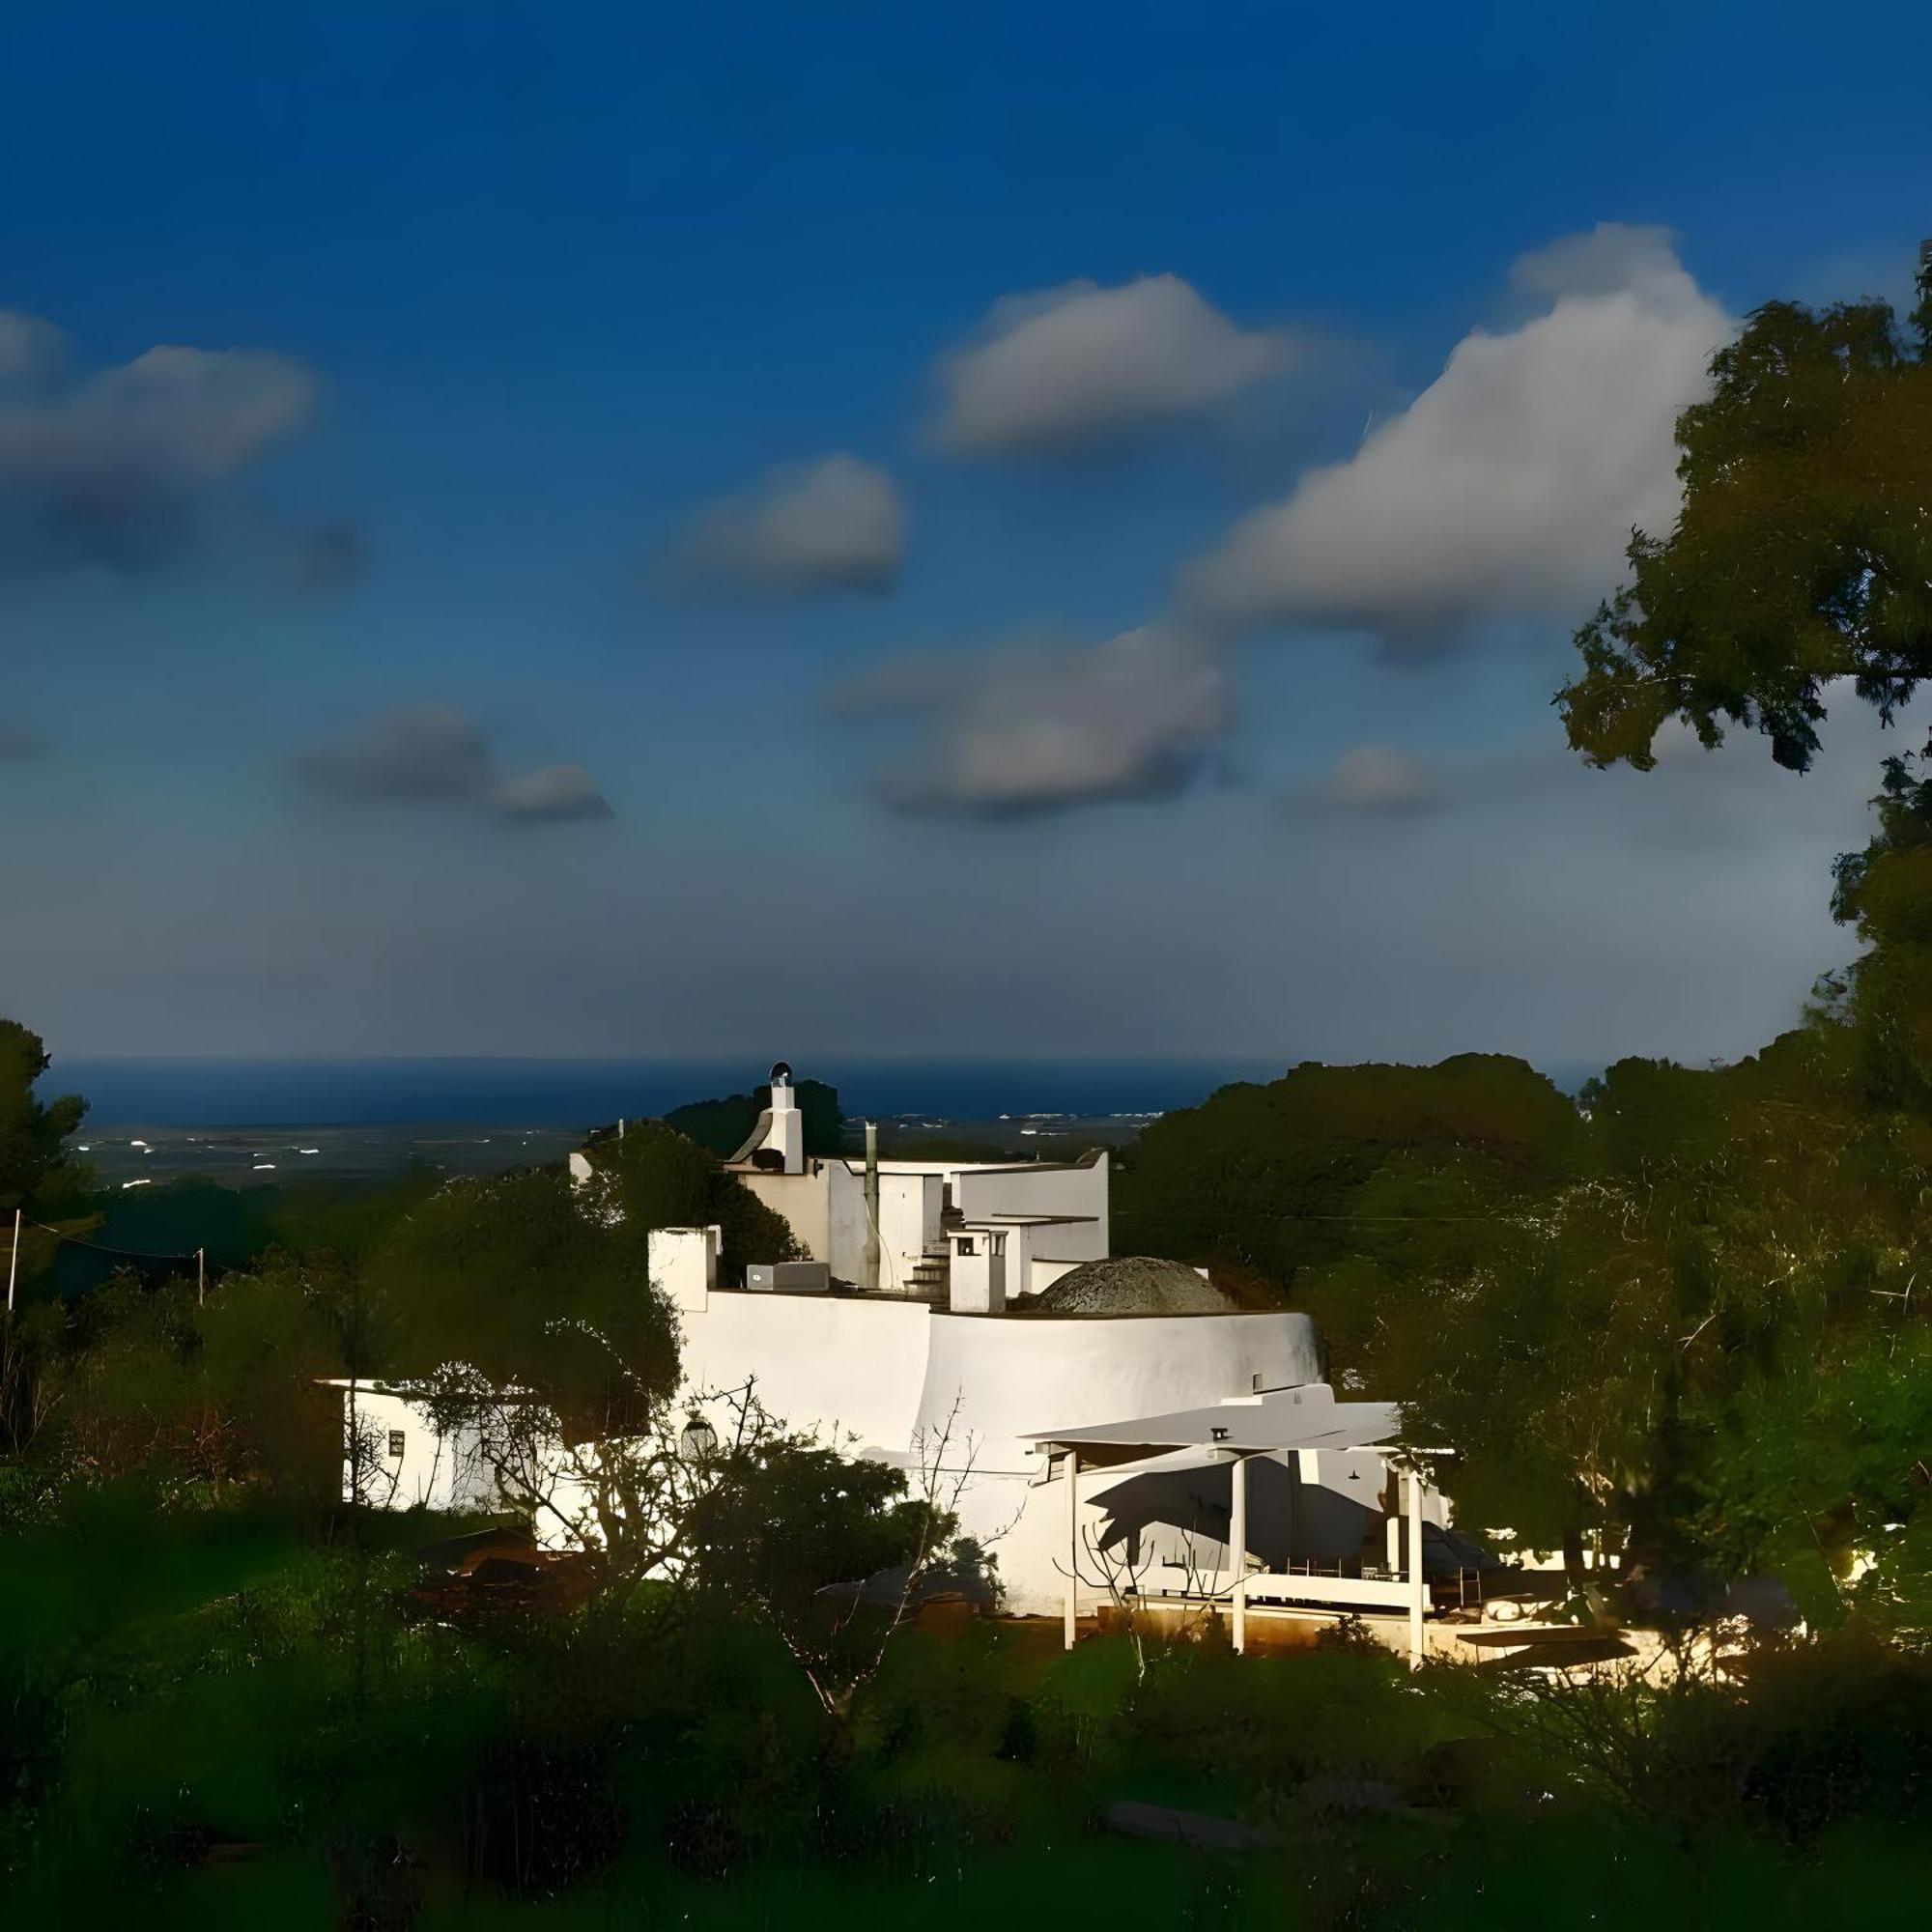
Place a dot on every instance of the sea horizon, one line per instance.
(555, 1091)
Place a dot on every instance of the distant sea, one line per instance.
(577, 1094)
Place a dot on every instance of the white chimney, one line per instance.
(683, 1265)
(785, 1136)
(977, 1279)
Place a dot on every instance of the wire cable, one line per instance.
(120, 1254)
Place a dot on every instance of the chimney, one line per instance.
(977, 1279)
(786, 1133)
(683, 1265)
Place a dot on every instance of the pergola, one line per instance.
(1232, 1431)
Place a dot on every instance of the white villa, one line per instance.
(1113, 1424)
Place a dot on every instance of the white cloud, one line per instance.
(551, 792)
(30, 349)
(417, 752)
(1510, 486)
(835, 524)
(1378, 778)
(115, 466)
(1078, 363)
(437, 754)
(1036, 727)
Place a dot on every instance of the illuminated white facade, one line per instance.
(970, 1349)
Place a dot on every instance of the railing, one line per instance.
(1306, 1584)
(1300, 1582)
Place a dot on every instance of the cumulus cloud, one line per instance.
(836, 523)
(115, 466)
(418, 752)
(30, 350)
(1043, 725)
(437, 754)
(551, 791)
(1378, 778)
(1080, 363)
(1510, 486)
(1731, 799)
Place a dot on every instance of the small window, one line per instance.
(966, 1246)
(395, 1443)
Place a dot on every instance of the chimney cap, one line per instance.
(781, 1071)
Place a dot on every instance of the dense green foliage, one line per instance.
(229, 1721)
(1674, 1318)
(656, 1177)
(35, 1170)
(1802, 554)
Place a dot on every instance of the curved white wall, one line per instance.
(889, 1373)
(849, 1367)
(1018, 1376)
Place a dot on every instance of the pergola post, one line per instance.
(1417, 1584)
(1072, 1545)
(1237, 1550)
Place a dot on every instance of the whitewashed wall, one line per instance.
(835, 1363)
(1043, 1189)
(434, 1471)
(889, 1373)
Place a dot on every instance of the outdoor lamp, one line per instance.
(697, 1439)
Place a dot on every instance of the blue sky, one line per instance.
(640, 558)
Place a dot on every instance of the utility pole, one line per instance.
(871, 1263)
(200, 1277)
(14, 1262)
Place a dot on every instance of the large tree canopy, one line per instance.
(1634, 1317)
(33, 1158)
(1802, 554)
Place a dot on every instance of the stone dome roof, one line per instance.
(1131, 1285)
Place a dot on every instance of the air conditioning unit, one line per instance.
(788, 1277)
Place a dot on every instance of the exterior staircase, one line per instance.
(931, 1273)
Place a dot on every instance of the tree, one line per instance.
(725, 1125)
(655, 1176)
(1608, 1312)
(1293, 1179)
(34, 1166)
(518, 1278)
(524, 1308)
(830, 1552)
(1801, 556)
(1803, 552)
(152, 1381)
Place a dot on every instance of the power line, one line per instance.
(120, 1254)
